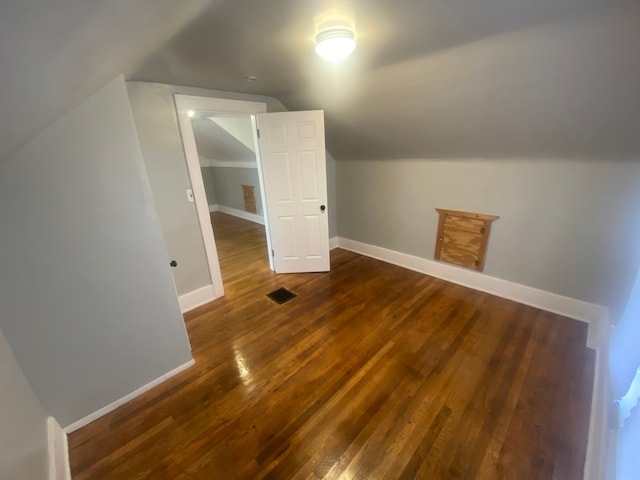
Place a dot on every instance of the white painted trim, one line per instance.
(333, 243)
(211, 163)
(595, 464)
(252, 217)
(551, 302)
(263, 191)
(198, 297)
(58, 450)
(185, 103)
(127, 398)
(601, 442)
(216, 106)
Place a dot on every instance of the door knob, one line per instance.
(173, 263)
(322, 208)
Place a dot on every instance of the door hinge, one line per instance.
(273, 253)
(258, 132)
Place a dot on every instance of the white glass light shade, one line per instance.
(335, 44)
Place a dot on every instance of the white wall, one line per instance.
(23, 423)
(567, 227)
(88, 302)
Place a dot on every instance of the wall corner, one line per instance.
(58, 449)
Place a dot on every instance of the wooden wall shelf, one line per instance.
(462, 237)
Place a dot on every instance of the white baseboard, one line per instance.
(601, 443)
(551, 302)
(58, 450)
(198, 297)
(595, 464)
(333, 243)
(210, 162)
(127, 398)
(252, 217)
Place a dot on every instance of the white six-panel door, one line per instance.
(294, 171)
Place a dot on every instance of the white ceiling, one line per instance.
(429, 79)
(215, 143)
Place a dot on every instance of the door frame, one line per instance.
(184, 104)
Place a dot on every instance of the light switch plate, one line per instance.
(190, 195)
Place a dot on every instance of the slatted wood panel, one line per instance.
(372, 372)
(462, 238)
(249, 198)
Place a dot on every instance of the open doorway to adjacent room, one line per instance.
(290, 159)
(228, 162)
(191, 111)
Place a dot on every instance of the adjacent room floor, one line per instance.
(371, 372)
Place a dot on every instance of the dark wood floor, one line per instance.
(372, 372)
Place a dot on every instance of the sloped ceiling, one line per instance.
(56, 53)
(429, 79)
(215, 143)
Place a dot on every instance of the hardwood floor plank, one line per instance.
(497, 454)
(371, 372)
(412, 467)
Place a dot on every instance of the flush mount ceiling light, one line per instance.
(335, 30)
(335, 44)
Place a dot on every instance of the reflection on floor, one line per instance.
(371, 372)
(241, 246)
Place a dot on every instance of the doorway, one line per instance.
(291, 167)
(187, 107)
(229, 167)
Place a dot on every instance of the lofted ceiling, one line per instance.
(429, 78)
(214, 142)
